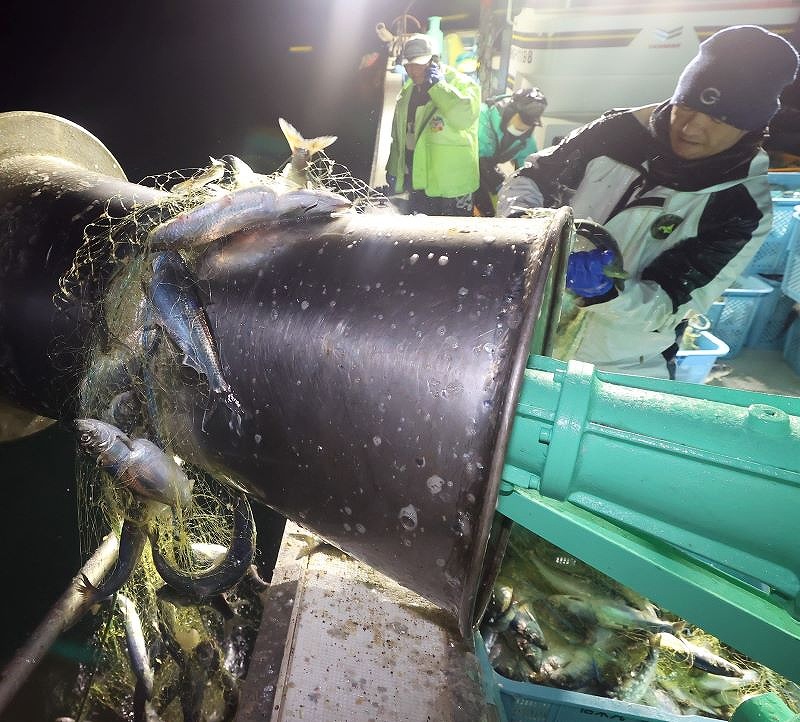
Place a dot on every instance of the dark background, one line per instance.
(164, 85)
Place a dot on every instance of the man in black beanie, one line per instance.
(680, 185)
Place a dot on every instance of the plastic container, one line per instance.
(770, 322)
(772, 256)
(527, 702)
(693, 365)
(791, 272)
(774, 251)
(782, 183)
(715, 312)
(741, 303)
(791, 347)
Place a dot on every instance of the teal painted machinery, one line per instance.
(687, 493)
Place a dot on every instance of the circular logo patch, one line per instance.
(710, 96)
(664, 225)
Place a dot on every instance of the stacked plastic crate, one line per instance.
(790, 286)
(757, 310)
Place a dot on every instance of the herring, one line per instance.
(137, 647)
(242, 209)
(137, 463)
(131, 545)
(182, 316)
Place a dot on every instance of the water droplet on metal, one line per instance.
(435, 484)
(408, 517)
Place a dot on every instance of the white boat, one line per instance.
(591, 55)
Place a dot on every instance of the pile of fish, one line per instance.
(555, 621)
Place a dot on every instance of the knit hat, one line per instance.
(737, 76)
(530, 104)
(418, 49)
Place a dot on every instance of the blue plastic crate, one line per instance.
(527, 702)
(781, 184)
(772, 255)
(740, 305)
(791, 272)
(693, 365)
(770, 322)
(791, 347)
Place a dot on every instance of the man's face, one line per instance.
(417, 72)
(695, 135)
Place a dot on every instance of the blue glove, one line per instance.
(585, 272)
(435, 74)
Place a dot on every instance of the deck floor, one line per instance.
(757, 370)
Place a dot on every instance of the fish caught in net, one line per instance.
(180, 610)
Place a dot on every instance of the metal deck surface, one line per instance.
(340, 642)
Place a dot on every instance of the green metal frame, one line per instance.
(688, 494)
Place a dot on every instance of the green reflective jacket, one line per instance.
(446, 154)
(490, 136)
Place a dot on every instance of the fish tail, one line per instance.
(296, 140)
(86, 589)
(231, 403)
(293, 137)
(315, 145)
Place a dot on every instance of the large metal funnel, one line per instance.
(377, 358)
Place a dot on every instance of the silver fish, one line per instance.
(698, 656)
(137, 647)
(303, 149)
(137, 463)
(179, 312)
(240, 209)
(200, 180)
(641, 679)
(611, 614)
(131, 544)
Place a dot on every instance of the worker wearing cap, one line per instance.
(680, 185)
(505, 135)
(434, 152)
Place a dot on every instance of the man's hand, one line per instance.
(586, 272)
(434, 74)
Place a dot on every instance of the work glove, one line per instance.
(586, 272)
(435, 74)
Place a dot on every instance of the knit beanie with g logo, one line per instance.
(737, 76)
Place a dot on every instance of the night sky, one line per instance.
(166, 84)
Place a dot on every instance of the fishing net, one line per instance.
(198, 651)
(556, 621)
